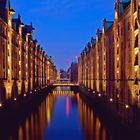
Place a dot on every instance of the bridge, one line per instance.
(65, 84)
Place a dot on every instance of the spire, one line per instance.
(19, 17)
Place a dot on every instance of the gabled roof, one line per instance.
(108, 24)
(16, 22)
(123, 5)
(93, 41)
(27, 29)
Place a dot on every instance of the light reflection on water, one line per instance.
(63, 115)
(90, 123)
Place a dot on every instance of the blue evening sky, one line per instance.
(63, 27)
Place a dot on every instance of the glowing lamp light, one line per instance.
(99, 95)
(30, 92)
(126, 106)
(24, 95)
(0, 104)
(93, 91)
(111, 100)
(15, 99)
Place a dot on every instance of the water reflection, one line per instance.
(65, 124)
(40, 120)
(32, 126)
(90, 123)
(63, 115)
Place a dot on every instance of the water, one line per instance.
(63, 115)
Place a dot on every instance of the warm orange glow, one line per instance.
(20, 133)
(48, 115)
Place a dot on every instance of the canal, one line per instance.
(62, 115)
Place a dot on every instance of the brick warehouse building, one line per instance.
(110, 63)
(24, 66)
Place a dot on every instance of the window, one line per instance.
(136, 42)
(135, 5)
(118, 65)
(136, 81)
(3, 63)
(136, 60)
(136, 24)
(117, 51)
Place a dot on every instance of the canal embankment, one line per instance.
(13, 108)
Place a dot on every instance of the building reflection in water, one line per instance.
(33, 126)
(91, 125)
(62, 106)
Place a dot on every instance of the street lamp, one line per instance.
(99, 95)
(94, 92)
(111, 100)
(126, 106)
